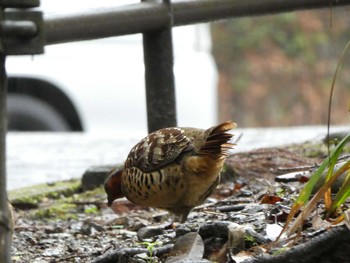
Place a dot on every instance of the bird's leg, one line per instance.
(185, 215)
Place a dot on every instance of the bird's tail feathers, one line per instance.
(218, 143)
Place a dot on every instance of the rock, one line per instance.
(194, 261)
(120, 255)
(238, 218)
(260, 239)
(218, 237)
(30, 197)
(188, 248)
(230, 208)
(97, 226)
(88, 227)
(216, 249)
(217, 229)
(149, 232)
(236, 234)
(95, 176)
(254, 209)
(137, 223)
(164, 250)
(53, 229)
(127, 234)
(29, 238)
(335, 137)
(182, 230)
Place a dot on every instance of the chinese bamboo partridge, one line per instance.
(173, 168)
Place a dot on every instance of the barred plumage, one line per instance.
(173, 168)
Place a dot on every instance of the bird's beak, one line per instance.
(110, 201)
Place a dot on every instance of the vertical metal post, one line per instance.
(21, 32)
(4, 213)
(159, 76)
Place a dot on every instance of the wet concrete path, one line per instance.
(34, 158)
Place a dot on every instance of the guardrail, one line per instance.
(150, 15)
(23, 31)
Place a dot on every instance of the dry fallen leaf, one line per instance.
(189, 247)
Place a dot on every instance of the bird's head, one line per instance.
(113, 186)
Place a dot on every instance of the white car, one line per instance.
(98, 85)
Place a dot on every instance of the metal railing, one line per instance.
(23, 31)
(148, 16)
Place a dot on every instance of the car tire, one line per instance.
(26, 113)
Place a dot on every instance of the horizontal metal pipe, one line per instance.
(193, 11)
(146, 16)
(112, 21)
(18, 29)
(19, 3)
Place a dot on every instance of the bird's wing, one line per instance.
(158, 149)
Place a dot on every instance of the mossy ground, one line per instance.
(61, 200)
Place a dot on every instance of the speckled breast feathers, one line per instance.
(176, 168)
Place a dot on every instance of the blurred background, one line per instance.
(259, 71)
(98, 86)
(269, 71)
(277, 70)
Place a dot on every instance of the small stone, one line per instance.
(254, 208)
(149, 232)
(236, 235)
(238, 218)
(137, 224)
(217, 229)
(164, 250)
(246, 193)
(48, 241)
(127, 234)
(111, 220)
(53, 229)
(182, 230)
(29, 237)
(97, 227)
(90, 228)
(230, 208)
(95, 176)
(260, 239)
(56, 251)
(85, 229)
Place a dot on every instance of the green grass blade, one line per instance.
(344, 191)
(331, 161)
(332, 88)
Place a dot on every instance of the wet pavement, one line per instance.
(34, 158)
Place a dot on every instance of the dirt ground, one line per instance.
(72, 225)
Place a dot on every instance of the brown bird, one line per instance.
(173, 168)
